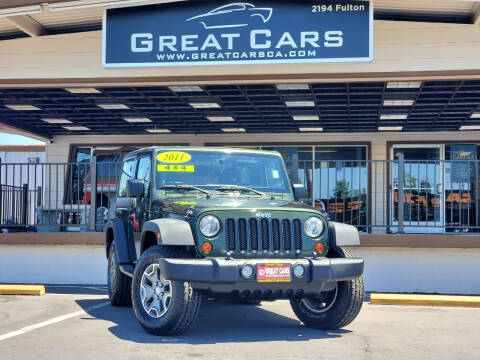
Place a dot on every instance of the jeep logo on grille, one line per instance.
(264, 215)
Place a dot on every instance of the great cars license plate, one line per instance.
(274, 273)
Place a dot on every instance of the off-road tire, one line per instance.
(344, 310)
(184, 305)
(119, 292)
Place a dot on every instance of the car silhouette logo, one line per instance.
(233, 15)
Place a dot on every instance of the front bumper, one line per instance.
(219, 275)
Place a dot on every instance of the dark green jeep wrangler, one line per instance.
(223, 222)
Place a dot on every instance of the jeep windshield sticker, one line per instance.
(174, 157)
(175, 168)
(186, 202)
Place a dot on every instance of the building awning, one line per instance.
(283, 108)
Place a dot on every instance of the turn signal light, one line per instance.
(207, 247)
(319, 247)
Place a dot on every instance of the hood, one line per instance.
(194, 206)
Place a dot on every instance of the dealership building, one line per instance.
(375, 107)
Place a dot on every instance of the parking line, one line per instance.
(425, 300)
(55, 320)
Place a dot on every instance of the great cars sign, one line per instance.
(254, 32)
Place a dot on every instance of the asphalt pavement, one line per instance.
(79, 323)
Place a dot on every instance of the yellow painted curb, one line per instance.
(425, 300)
(12, 289)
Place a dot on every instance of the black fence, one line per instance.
(387, 196)
(14, 208)
(51, 197)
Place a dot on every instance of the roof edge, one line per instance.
(5, 4)
(23, 148)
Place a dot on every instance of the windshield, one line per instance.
(215, 170)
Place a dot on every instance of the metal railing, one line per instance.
(435, 196)
(396, 196)
(57, 196)
(14, 206)
(385, 196)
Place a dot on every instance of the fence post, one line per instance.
(25, 205)
(401, 183)
(93, 193)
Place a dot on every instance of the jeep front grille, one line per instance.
(274, 235)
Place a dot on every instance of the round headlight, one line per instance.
(313, 227)
(209, 225)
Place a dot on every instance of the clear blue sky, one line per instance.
(11, 139)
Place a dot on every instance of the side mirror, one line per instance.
(135, 188)
(299, 192)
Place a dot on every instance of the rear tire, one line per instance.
(119, 284)
(334, 309)
(162, 307)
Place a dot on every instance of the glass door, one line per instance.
(423, 195)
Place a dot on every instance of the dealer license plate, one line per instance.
(274, 273)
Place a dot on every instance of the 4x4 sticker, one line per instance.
(175, 168)
(174, 157)
(182, 202)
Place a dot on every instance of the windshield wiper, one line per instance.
(240, 188)
(186, 187)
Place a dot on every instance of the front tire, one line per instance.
(119, 284)
(162, 307)
(333, 309)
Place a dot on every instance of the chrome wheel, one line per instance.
(155, 292)
(322, 303)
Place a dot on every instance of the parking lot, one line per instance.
(79, 323)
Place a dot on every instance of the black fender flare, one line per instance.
(343, 234)
(122, 232)
(168, 231)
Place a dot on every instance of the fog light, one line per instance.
(298, 271)
(319, 247)
(207, 247)
(247, 271)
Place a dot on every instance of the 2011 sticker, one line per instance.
(175, 168)
(174, 157)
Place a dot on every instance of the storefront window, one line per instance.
(461, 187)
(422, 199)
(78, 170)
(341, 183)
(440, 188)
